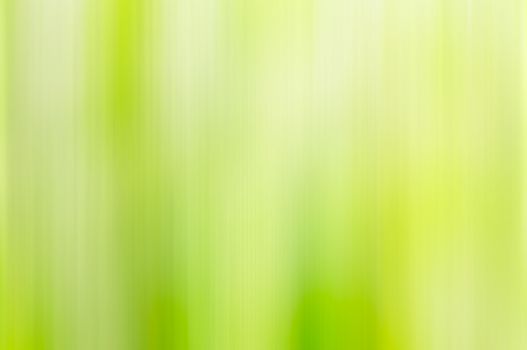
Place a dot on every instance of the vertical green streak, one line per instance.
(125, 60)
(308, 321)
(146, 219)
(125, 30)
(3, 176)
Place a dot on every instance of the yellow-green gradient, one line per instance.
(263, 174)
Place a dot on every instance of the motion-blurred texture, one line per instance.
(263, 174)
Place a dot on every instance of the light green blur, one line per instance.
(263, 174)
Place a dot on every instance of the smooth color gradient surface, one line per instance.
(263, 174)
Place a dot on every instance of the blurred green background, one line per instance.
(263, 174)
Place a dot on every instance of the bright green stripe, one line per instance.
(4, 286)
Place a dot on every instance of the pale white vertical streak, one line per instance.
(47, 83)
(188, 41)
(27, 147)
(347, 91)
(258, 190)
(334, 49)
(190, 35)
